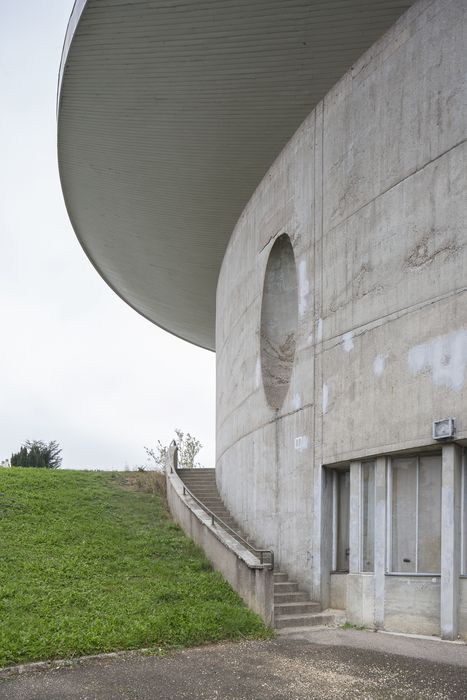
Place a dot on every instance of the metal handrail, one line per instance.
(215, 518)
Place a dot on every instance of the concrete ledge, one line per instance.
(253, 581)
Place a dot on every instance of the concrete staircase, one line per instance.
(202, 484)
(293, 609)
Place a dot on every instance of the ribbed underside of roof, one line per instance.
(170, 112)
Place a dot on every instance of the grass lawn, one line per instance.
(87, 566)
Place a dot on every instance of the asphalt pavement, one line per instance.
(324, 664)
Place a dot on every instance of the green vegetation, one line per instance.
(36, 453)
(349, 626)
(89, 564)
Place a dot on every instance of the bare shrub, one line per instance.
(188, 447)
(151, 481)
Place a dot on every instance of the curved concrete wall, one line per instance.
(372, 192)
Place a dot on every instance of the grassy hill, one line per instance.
(88, 564)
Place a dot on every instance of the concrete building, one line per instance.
(285, 182)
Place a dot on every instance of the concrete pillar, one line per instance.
(319, 526)
(354, 518)
(380, 540)
(450, 539)
(322, 502)
(353, 579)
(322, 536)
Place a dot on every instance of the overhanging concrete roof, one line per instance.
(169, 114)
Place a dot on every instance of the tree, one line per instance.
(35, 453)
(188, 448)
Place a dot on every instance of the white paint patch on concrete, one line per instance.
(325, 398)
(303, 288)
(296, 402)
(301, 443)
(309, 340)
(445, 357)
(258, 373)
(319, 330)
(379, 365)
(347, 341)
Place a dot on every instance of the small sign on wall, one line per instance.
(301, 442)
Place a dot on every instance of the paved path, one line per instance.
(326, 664)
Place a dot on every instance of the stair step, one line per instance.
(207, 484)
(222, 514)
(205, 496)
(225, 518)
(296, 608)
(202, 470)
(214, 509)
(280, 576)
(204, 481)
(211, 501)
(194, 488)
(189, 474)
(311, 620)
(202, 492)
(285, 587)
(232, 524)
(293, 624)
(296, 597)
(220, 511)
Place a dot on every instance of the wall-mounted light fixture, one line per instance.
(444, 429)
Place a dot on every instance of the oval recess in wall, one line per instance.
(279, 320)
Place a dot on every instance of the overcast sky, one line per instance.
(76, 364)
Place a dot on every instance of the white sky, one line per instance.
(76, 364)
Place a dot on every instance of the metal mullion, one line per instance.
(334, 520)
(389, 516)
(374, 518)
(417, 512)
(361, 507)
(463, 514)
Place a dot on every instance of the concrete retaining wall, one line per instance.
(252, 581)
